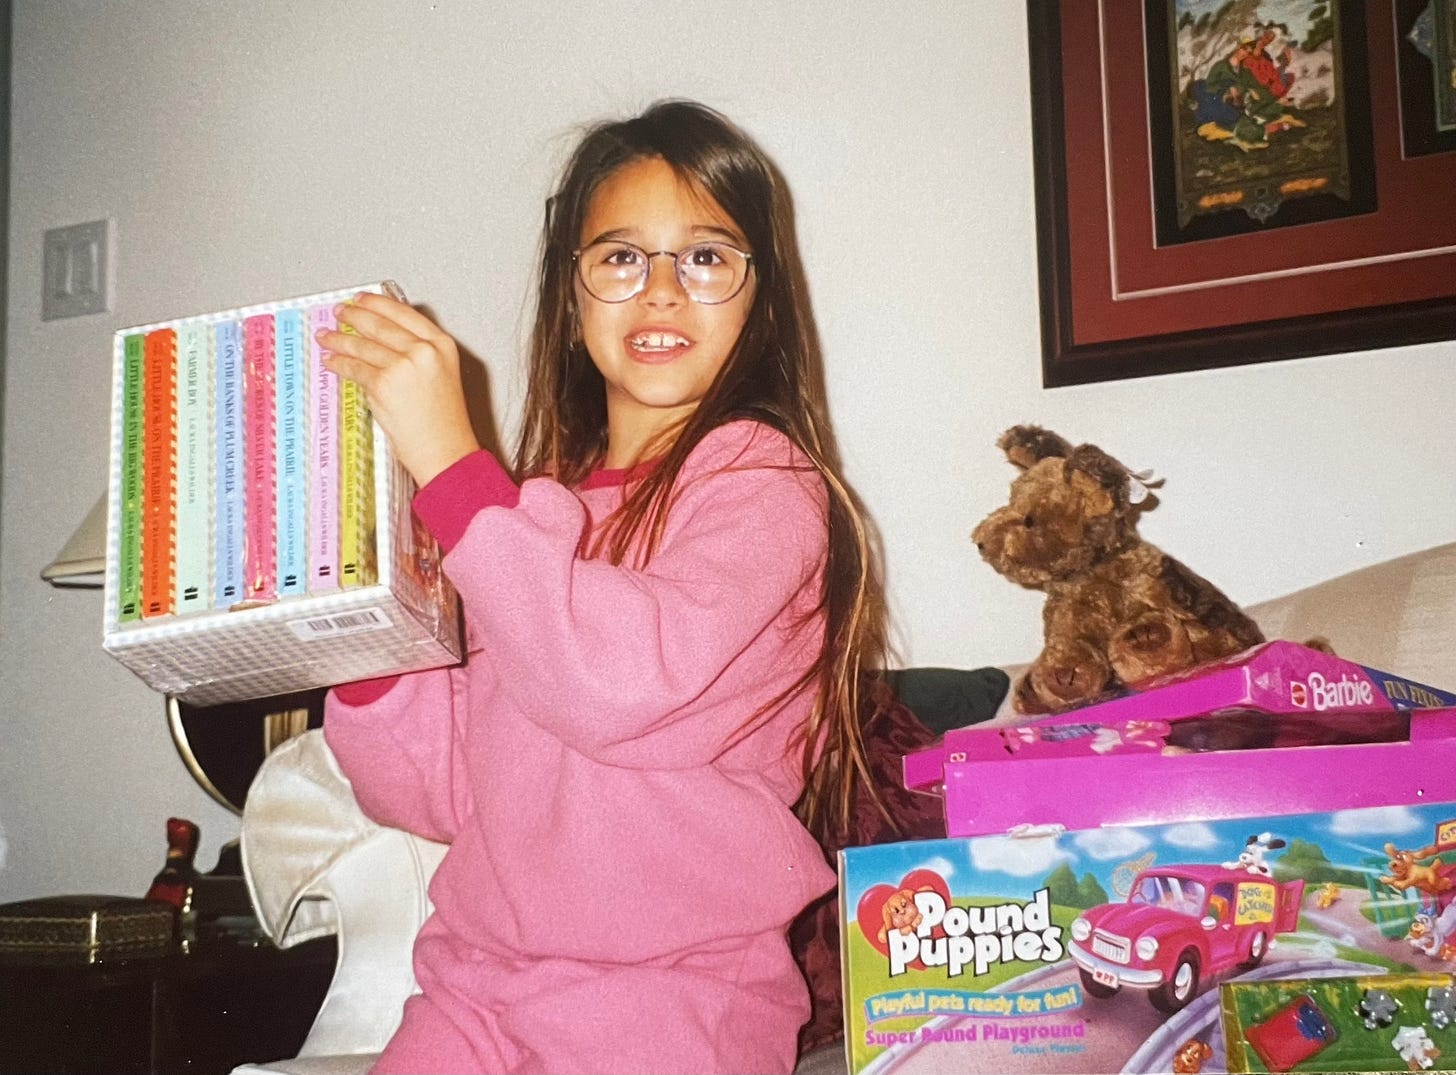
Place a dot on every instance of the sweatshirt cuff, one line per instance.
(454, 496)
(364, 691)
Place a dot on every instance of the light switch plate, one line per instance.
(75, 269)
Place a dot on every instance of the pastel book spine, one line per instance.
(194, 487)
(159, 477)
(229, 465)
(292, 453)
(129, 542)
(357, 564)
(323, 494)
(260, 553)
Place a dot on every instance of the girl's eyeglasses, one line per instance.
(709, 273)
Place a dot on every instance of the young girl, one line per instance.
(666, 621)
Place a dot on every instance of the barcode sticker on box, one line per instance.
(344, 623)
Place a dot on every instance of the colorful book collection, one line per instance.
(246, 467)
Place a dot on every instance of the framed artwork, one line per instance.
(1222, 182)
(1427, 66)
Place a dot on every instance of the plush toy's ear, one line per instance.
(1104, 470)
(1026, 446)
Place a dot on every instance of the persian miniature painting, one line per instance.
(1260, 115)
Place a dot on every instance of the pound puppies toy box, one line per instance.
(1111, 949)
(259, 538)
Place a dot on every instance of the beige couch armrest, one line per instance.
(1398, 616)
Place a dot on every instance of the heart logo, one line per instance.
(884, 908)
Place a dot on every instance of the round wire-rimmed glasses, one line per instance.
(709, 273)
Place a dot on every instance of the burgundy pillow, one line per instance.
(891, 733)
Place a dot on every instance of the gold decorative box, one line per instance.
(85, 924)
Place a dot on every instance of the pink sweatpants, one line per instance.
(736, 1008)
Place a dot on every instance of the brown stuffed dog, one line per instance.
(1118, 611)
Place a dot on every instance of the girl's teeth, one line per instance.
(658, 341)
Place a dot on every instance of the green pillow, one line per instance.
(946, 698)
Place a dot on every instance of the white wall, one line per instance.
(249, 151)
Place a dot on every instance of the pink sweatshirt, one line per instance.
(587, 762)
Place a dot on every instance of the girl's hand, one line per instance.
(409, 370)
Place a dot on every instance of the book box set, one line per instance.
(259, 533)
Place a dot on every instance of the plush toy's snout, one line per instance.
(1006, 541)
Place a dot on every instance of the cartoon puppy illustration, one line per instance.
(1191, 1056)
(1415, 1047)
(1251, 858)
(1435, 935)
(1406, 871)
(900, 914)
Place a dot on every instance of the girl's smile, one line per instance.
(657, 345)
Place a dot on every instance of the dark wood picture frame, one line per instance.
(1115, 304)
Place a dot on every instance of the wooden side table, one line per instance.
(222, 1003)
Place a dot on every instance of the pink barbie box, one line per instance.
(1273, 677)
(1261, 733)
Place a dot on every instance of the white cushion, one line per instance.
(337, 1064)
(315, 864)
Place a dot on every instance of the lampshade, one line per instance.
(82, 562)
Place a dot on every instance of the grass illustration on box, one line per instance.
(1351, 1023)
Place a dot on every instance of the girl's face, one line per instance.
(658, 351)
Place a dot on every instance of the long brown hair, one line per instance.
(775, 375)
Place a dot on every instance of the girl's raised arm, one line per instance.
(398, 744)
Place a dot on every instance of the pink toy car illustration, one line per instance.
(1180, 926)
